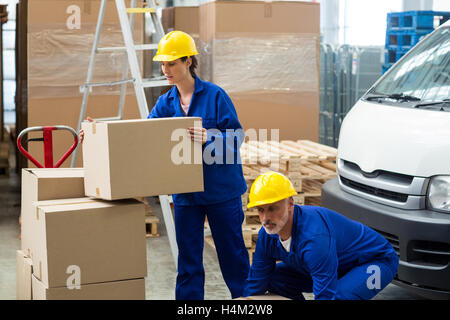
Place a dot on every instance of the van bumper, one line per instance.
(420, 237)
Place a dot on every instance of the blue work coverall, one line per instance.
(220, 201)
(330, 255)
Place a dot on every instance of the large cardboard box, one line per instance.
(45, 184)
(133, 289)
(267, 60)
(59, 48)
(88, 241)
(136, 158)
(258, 17)
(295, 115)
(184, 18)
(23, 276)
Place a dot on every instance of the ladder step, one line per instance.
(104, 84)
(141, 10)
(150, 83)
(150, 46)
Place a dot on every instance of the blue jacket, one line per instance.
(324, 245)
(223, 180)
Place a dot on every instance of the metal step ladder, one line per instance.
(131, 62)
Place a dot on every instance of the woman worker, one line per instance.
(224, 182)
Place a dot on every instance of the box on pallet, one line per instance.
(45, 184)
(133, 289)
(247, 58)
(23, 276)
(91, 240)
(135, 158)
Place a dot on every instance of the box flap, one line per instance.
(56, 172)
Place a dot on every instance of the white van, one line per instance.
(394, 164)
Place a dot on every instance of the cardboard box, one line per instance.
(117, 290)
(45, 184)
(88, 240)
(181, 18)
(24, 271)
(137, 158)
(248, 59)
(258, 17)
(296, 120)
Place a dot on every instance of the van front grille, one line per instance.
(390, 195)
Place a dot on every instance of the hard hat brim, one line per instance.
(166, 57)
(271, 200)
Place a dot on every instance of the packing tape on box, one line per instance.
(97, 192)
(94, 128)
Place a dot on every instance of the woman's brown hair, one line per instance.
(193, 65)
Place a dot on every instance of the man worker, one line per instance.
(319, 250)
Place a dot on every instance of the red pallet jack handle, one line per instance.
(48, 145)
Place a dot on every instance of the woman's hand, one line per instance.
(198, 134)
(81, 133)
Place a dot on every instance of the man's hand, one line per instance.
(198, 134)
(81, 133)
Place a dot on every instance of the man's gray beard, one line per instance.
(278, 227)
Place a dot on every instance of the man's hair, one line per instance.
(193, 65)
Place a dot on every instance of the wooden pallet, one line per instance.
(151, 226)
(248, 237)
(250, 232)
(287, 156)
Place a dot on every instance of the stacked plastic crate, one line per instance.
(405, 29)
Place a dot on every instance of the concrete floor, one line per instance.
(160, 281)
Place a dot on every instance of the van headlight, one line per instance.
(439, 193)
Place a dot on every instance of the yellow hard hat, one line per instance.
(270, 187)
(175, 45)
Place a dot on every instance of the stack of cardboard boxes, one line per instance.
(76, 244)
(264, 54)
(74, 247)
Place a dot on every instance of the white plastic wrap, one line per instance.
(262, 63)
(58, 60)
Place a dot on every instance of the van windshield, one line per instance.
(423, 74)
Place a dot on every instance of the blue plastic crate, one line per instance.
(393, 55)
(385, 67)
(413, 20)
(404, 38)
